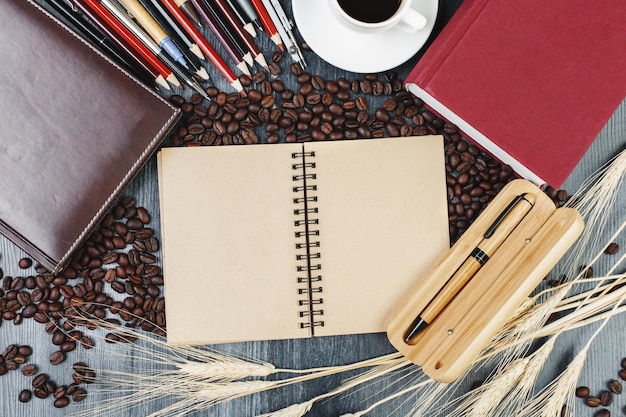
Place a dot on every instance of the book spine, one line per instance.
(446, 41)
(477, 138)
(308, 266)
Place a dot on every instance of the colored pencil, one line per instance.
(225, 28)
(204, 45)
(240, 32)
(90, 32)
(116, 10)
(243, 18)
(192, 59)
(155, 30)
(193, 47)
(187, 7)
(122, 45)
(248, 9)
(139, 48)
(221, 36)
(268, 24)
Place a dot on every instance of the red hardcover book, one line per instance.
(531, 82)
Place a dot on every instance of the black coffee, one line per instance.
(370, 11)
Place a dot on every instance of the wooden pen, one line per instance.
(510, 217)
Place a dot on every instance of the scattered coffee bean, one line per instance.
(39, 381)
(25, 263)
(612, 248)
(57, 357)
(603, 413)
(592, 402)
(79, 395)
(606, 398)
(25, 395)
(615, 386)
(61, 402)
(582, 392)
(29, 370)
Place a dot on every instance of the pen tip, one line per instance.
(418, 325)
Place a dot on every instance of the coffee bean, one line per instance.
(29, 310)
(40, 393)
(39, 380)
(615, 386)
(29, 370)
(592, 402)
(177, 100)
(606, 398)
(622, 374)
(25, 395)
(612, 248)
(603, 413)
(68, 346)
(58, 337)
(25, 263)
(318, 82)
(10, 352)
(57, 357)
(86, 342)
(274, 69)
(79, 394)
(59, 392)
(61, 402)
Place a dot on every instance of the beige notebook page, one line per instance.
(383, 223)
(228, 245)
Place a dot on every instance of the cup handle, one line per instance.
(412, 21)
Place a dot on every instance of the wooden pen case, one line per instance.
(456, 337)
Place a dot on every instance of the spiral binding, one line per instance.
(305, 234)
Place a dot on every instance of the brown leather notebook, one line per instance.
(74, 130)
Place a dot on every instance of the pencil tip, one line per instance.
(202, 73)
(250, 29)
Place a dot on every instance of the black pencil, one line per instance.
(87, 30)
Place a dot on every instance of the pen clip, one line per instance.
(502, 215)
(72, 5)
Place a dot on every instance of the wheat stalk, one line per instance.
(294, 410)
(515, 399)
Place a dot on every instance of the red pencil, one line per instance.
(115, 25)
(206, 48)
(241, 33)
(268, 24)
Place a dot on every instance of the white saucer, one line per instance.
(354, 51)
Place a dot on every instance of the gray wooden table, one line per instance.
(602, 364)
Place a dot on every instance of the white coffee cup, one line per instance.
(371, 16)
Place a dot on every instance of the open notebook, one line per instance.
(296, 240)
